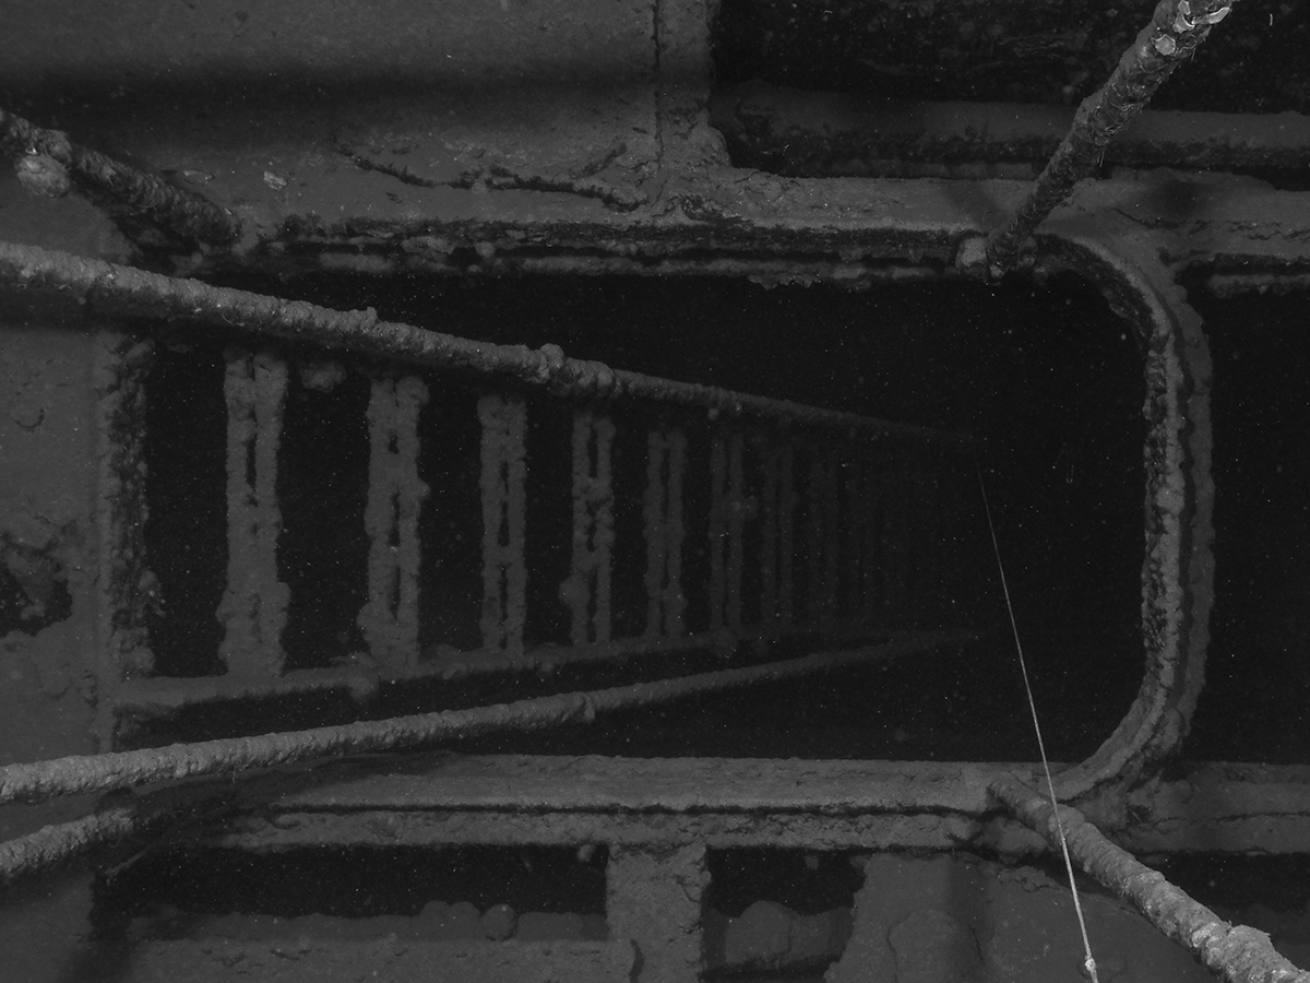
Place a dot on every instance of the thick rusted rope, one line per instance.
(49, 163)
(61, 842)
(1176, 29)
(1238, 953)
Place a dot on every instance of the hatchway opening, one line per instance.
(1045, 375)
(1258, 666)
(442, 894)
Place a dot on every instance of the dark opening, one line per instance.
(549, 521)
(630, 553)
(175, 891)
(186, 501)
(771, 912)
(918, 88)
(807, 882)
(322, 488)
(1025, 51)
(450, 526)
(1254, 705)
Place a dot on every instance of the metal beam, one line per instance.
(806, 134)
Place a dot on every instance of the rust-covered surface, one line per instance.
(474, 141)
(1175, 584)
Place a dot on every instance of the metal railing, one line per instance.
(616, 514)
(797, 521)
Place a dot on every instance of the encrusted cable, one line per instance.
(50, 164)
(1176, 29)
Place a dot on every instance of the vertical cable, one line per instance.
(1089, 963)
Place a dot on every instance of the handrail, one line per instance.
(110, 289)
(42, 780)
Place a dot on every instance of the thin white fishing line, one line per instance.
(1089, 963)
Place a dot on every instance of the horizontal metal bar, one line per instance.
(164, 696)
(448, 799)
(1203, 810)
(826, 267)
(89, 773)
(443, 799)
(112, 290)
(501, 799)
(716, 830)
(560, 784)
